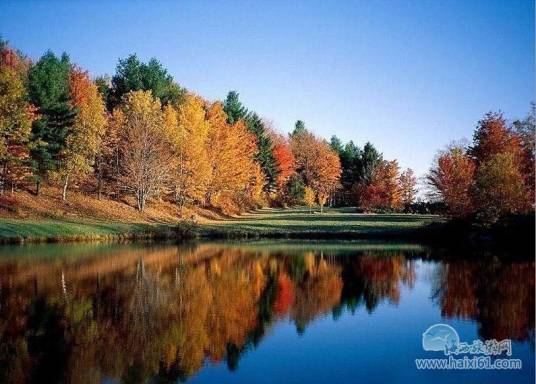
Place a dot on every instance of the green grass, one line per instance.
(13, 230)
(341, 221)
(292, 223)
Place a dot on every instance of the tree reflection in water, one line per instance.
(143, 312)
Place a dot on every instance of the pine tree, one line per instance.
(264, 155)
(299, 128)
(49, 92)
(133, 75)
(233, 108)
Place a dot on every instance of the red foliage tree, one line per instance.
(285, 294)
(493, 137)
(452, 178)
(285, 162)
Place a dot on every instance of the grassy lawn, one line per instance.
(55, 229)
(297, 222)
(332, 221)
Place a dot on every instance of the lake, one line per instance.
(257, 312)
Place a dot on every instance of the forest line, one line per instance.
(139, 133)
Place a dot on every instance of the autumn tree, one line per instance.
(407, 185)
(231, 148)
(309, 197)
(145, 154)
(505, 164)
(85, 136)
(16, 115)
(383, 190)
(452, 178)
(326, 173)
(107, 161)
(526, 131)
(493, 136)
(317, 163)
(236, 111)
(499, 187)
(284, 160)
(191, 173)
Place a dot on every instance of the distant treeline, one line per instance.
(139, 133)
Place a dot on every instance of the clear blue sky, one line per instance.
(409, 76)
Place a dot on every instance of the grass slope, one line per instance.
(56, 229)
(299, 222)
(27, 218)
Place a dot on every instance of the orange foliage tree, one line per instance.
(452, 178)
(317, 163)
(492, 136)
(231, 148)
(85, 136)
(383, 191)
(407, 183)
(494, 177)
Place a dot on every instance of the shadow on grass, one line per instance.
(385, 218)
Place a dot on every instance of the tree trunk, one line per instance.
(99, 186)
(64, 194)
(3, 180)
(37, 187)
(140, 200)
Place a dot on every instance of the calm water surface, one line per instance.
(265, 312)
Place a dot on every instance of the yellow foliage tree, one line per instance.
(85, 137)
(190, 131)
(145, 153)
(15, 124)
(230, 148)
(309, 197)
(318, 164)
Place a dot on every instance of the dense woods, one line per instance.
(141, 135)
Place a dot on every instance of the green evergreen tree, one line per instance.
(264, 155)
(336, 144)
(299, 128)
(133, 75)
(49, 92)
(369, 159)
(234, 108)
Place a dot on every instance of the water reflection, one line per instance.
(131, 313)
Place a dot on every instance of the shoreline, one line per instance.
(443, 233)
